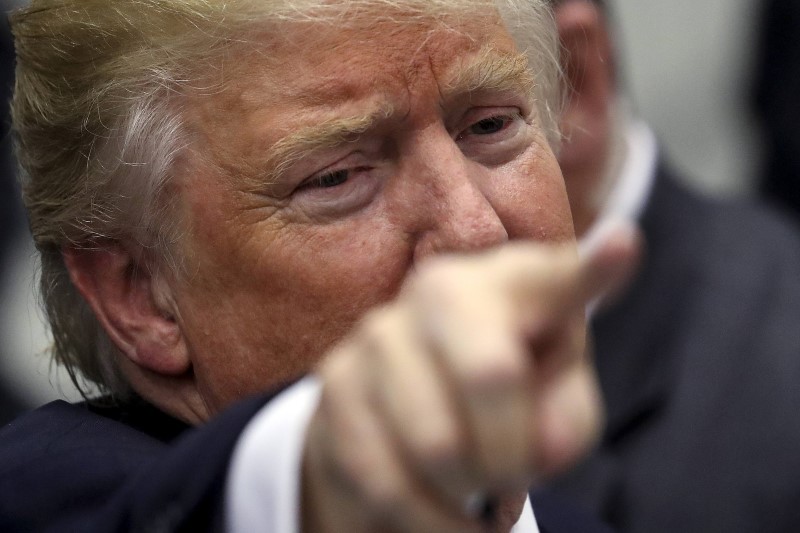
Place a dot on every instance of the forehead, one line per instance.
(317, 63)
(324, 67)
(316, 72)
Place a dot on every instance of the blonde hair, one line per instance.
(97, 113)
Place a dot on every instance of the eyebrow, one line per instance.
(492, 70)
(326, 134)
(488, 70)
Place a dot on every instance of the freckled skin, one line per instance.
(273, 283)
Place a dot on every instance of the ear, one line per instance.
(133, 305)
(587, 60)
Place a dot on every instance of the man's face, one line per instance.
(329, 168)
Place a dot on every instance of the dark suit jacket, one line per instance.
(700, 367)
(71, 468)
(77, 469)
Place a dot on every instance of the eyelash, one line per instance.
(327, 180)
(506, 121)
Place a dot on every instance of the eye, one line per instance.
(493, 135)
(489, 125)
(328, 180)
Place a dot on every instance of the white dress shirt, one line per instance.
(628, 197)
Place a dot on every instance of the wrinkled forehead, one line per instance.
(404, 50)
(364, 69)
(321, 63)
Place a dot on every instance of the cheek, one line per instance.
(329, 280)
(265, 310)
(532, 202)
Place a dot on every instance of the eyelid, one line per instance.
(475, 115)
(329, 203)
(315, 180)
(330, 165)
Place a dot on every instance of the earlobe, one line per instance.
(132, 304)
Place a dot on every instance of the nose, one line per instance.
(454, 204)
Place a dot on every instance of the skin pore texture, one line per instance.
(300, 256)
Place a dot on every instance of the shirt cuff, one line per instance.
(527, 520)
(263, 486)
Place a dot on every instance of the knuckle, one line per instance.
(354, 461)
(497, 370)
(337, 377)
(438, 450)
(384, 493)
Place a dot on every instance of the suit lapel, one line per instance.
(634, 337)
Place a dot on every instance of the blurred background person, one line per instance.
(698, 361)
